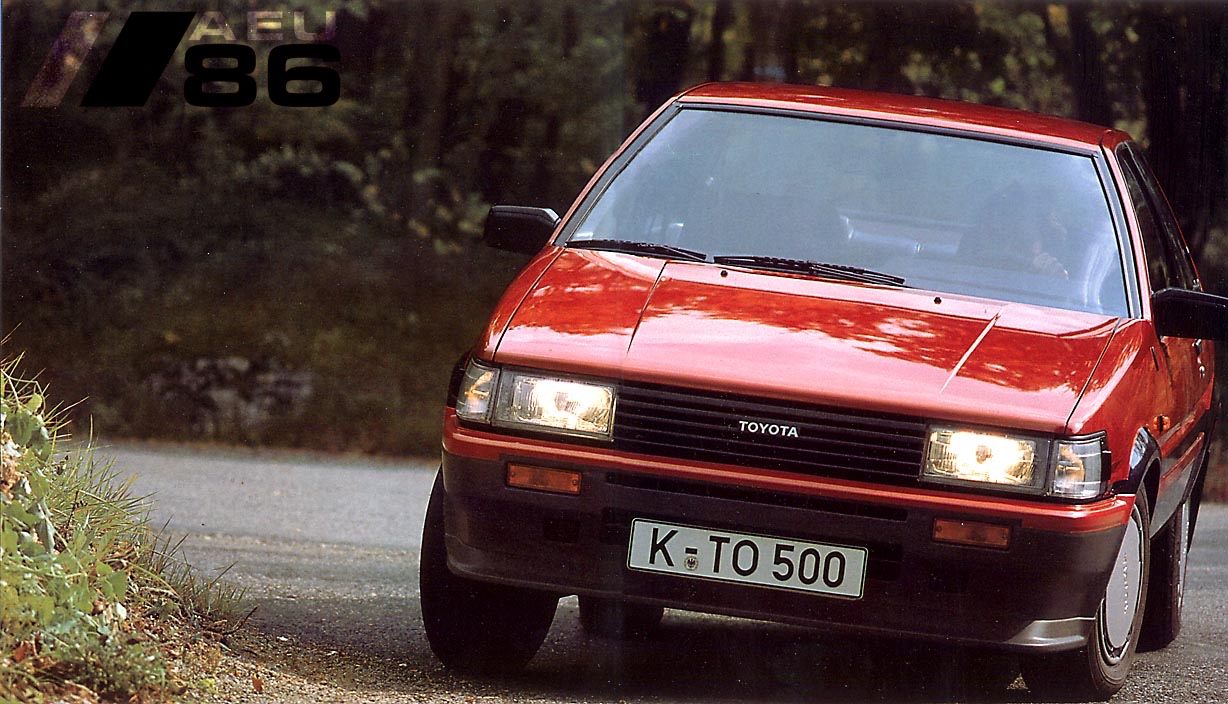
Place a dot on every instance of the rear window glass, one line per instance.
(951, 214)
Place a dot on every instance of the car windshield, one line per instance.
(944, 213)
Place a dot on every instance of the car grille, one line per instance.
(717, 427)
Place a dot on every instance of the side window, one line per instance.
(1161, 271)
(1179, 253)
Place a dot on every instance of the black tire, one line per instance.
(1098, 670)
(1166, 591)
(613, 619)
(476, 627)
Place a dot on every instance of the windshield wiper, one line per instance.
(803, 266)
(633, 247)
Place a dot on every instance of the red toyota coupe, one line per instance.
(895, 365)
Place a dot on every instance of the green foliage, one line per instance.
(79, 569)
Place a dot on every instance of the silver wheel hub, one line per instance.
(1121, 598)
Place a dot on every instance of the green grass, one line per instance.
(91, 597)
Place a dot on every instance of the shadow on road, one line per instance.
(374, 644)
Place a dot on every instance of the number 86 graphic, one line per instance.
(279, 77)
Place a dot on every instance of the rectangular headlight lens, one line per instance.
(965, 456)
(1078, 468)
(540, 402)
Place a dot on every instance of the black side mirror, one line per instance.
(520, 229)
(1190, 314)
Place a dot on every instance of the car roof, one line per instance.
(913, 110)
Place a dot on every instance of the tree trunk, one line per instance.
(1085, 68)
(1186, 115)
(667, 44)
(1205, 102)
(793, 20)
(428, 82)
(722, 17)
(887, 49)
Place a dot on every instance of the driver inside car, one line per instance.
(1019, 233)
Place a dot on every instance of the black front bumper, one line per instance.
(1040, 594)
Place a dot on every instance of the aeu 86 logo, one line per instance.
(219, 74)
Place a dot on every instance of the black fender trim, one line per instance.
(1143, 454)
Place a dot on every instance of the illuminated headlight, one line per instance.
(1070, 469)
(961, 456)
(535, 401)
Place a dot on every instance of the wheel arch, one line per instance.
(1145, 469)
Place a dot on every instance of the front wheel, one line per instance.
(473, 626)
(1098, 670)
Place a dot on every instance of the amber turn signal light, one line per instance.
(557, 481)
(984, 535)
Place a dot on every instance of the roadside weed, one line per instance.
(89, 593)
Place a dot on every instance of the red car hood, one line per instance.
(787, 337)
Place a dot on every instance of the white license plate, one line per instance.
(719, 555)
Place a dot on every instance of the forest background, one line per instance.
(307, 277)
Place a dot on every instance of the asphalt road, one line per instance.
(327, 549)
